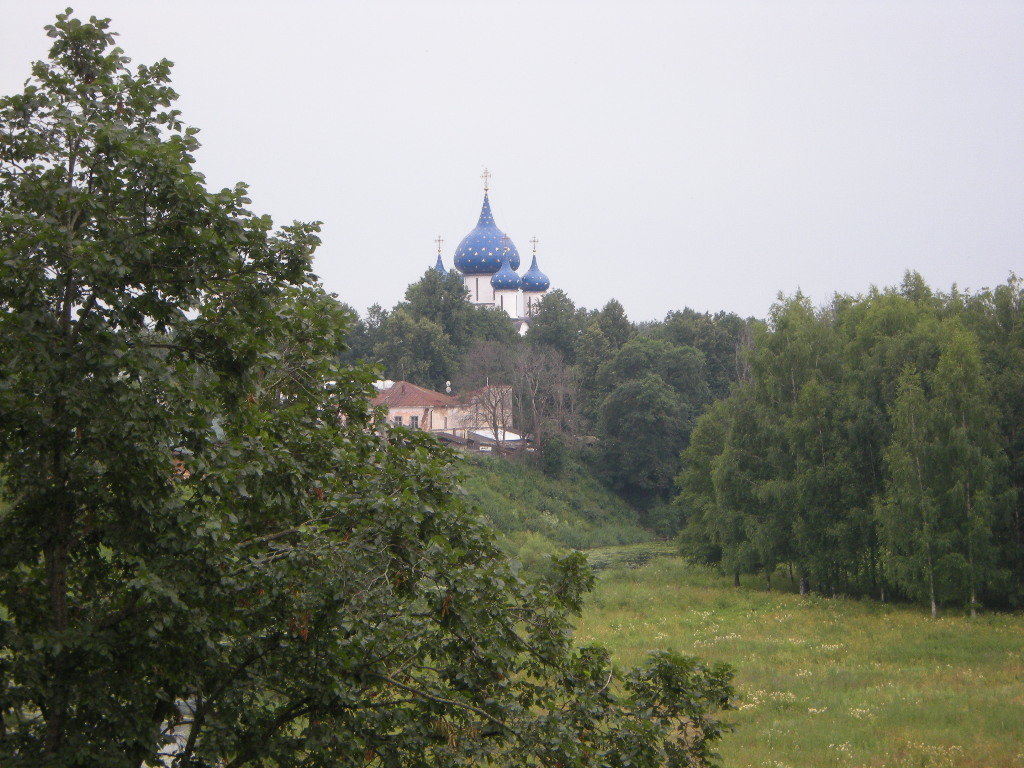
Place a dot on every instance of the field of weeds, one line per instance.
(828, 682)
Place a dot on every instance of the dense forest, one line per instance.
(872, 446)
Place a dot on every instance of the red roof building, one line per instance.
(404, 394)
(472, 416)
(418, 407)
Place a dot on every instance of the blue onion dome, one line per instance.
(439, 266)
(481, 251)
(534, 280)
(505, 279)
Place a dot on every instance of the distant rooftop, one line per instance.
(404, 393)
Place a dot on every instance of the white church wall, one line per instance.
(508, 301)
(480, 289)
(530, 302)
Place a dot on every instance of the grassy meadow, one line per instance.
(827, 682)
(538, 515)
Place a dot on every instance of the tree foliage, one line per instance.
(557, 324)
(880, 443)
(640, 422)
(425, 338)
(210, 555)
(416, 349)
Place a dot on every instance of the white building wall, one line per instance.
(508, 301)
(458, 420)
(516, 303)
(480, 289)
(424, 416)
(530, 301)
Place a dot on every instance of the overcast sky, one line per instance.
(702, 154)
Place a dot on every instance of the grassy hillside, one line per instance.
(538, 514)
(829, 682)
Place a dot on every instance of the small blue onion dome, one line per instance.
(505, 279)
(481, 251)
(534, 280)
(439, 266)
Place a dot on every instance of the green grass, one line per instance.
(828, 682)
(630, 555)
(538, 515)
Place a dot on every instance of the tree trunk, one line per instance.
(56, 550)
(736, 578)
(970, 542)
(804, 586)
(768, 579)
(931, 584)
(56, 558)
(873, 564)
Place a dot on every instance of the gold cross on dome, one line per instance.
(534, 241)
(439, 240)
(486, 176)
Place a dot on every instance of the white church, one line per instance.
(488, 261)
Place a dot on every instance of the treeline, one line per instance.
(642, 387)
(426, 338)
(622, 396)
(873, 447)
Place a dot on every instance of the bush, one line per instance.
(553, 456)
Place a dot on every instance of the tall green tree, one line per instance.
(996, 317)
(558, 324)
(493, 325)
(614, 324)
(426, 337)
(969, 458)
(441, 298)
(682, 368)
(716, 493)
(643, 427)
(592, 351)
(911, 521)
(753, 499)
(721, 338)
(212, 555)
(416, 349)
(651, 393)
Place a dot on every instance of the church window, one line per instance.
(398, 420)
(414, 422)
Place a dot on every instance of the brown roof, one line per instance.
(403, 393)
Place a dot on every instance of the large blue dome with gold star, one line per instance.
(482, 250)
